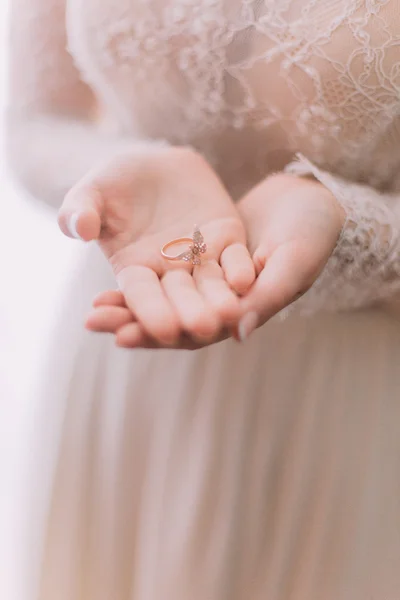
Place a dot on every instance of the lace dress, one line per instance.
(268, 471)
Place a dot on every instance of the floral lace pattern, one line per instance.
(302, 75)
(251, 83)
(365, 267)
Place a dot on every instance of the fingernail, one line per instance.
(72, 223)
(120, 282)
(247, 325)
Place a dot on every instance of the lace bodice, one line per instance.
(250, 83)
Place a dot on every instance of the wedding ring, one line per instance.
(192, 254)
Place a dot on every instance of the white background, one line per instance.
(34, 258)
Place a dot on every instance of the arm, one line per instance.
(52, 137)
(319, 243)
(360, 57)
(364, 268)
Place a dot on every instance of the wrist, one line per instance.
(338, 210)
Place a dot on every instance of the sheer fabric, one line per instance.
(249, 83)
(264, 471)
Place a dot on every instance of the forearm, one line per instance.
(364, 269)
(49, 154)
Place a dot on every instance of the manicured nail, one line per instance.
(72, 226)
(247, 325)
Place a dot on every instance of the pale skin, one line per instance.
(135, 204)
(262, 252)
(292, 226)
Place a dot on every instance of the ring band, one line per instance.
(173, 243)
(193, 253)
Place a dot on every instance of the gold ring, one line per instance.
(193, 253)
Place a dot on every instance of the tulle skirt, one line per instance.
(268, 471)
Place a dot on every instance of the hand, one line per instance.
(135, 204)
(111, 314)
(293, 225)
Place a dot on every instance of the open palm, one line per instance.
(293, 225)
(134, 205)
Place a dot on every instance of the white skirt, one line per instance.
(269, 471)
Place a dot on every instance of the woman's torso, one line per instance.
(284, 453)
(250, 83)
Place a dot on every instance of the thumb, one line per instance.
(81, 213)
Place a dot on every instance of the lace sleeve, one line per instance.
(52, 137)
(365, 267)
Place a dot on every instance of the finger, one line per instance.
(108, 319)
(146, 299)
(285, 277)
(133, 336)
(238, 268)
(196, 316)
(110, 298)
(80, 214)
(211, 283)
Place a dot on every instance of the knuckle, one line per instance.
(195, 322)
(224, 304)
(229, 311)
(204, 327)
(170, 331)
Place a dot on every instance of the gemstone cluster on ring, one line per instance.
(197, 248)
